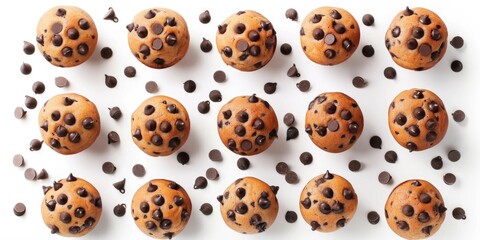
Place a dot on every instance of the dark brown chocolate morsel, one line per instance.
(19, 209)
(454, 155)
(43, 174)
(189, 86)
(106, 53)
(457, 42)
(151, 87)
(215, 155)
(120, 185)
(119, 210)
(458, 116)
(282, 168)
(456, 66)
(61, 82)
(110, 81)
(436, 163)
(306, 158)
(243, 163)
(286, 49)
(270, 87)
(203, 107)
(391, 156)
(449, 178)
(390, 73)
(138, 170)
(376, 142)
(108, 168)
(212, 174)
(35, 145)
(113, 137)
(206, 209)
(291, 14)
(368, 19)
(30, 174)
(219, 76)
(368, 51)
(293, 71)
(303, 85)
(19, 113)
(354, 165)
(38, 87)
(385, 177)
(373, 217)
(130, 71)
(25, 68)
(18, 160)
(459, 213)
(215, 96)
(204, 17)
(291, 216)
(291, 177)
(110, 15)
(292, 133)
(28, 48)
(206, 45)
(115, 113)
(359, 82)
(200, 183)
(30, 102)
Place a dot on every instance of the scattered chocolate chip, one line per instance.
(35, 145)
(30, 174)
(390, 73)
(384, 177)
(19, 113)
(110, 81)
(110, 15)
(243, 163)
(373, 217)
(206, 209)
(454, 155)
(108, 168)
(19, 209)
(359, 82)
(206, 45)
(189, 86)
(120, 185)
(458, 116)
(354, 165)
(38, 87)
(183, 158)
(449, 178)
(130, 71)
(376, 142)
(138, 170)
(291, 216)
(203, 107)
(212, 174)
(391, 156)
(437, 163)
(286, 49)
(292, 133)
(270, 87)
(113, 137)
(306, 158)
(18, 160)
(28, 48)
(151, 87)
(303, 86)
(215, 96)
(291, 177)
(205, 17)
(61, 82)
(30, 102)
(106, 53)
(219, 76)
(456, 66)
(293, 71)
(43, 174)
(115, 113)
(200, 183)
(368, 51)
(459, 214)
(289, 119)
(282, 168)
(25, 68)
(291, 14)
(457, 42)
(215, 155)
(368, 19)
(120, 210)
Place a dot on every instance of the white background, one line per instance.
(458, 91)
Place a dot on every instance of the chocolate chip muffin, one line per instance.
(328, 202)
(158, 37)
(415, 209)
(161, 208)
(246, 40)
(160, 126)
(417, 119)
(249, 205)
(69, 123)
(334, 121)
(66, 36)
(247, 125)
(329, 35)
(416, 39)
(72, 207)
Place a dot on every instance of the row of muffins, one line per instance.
(159, 38)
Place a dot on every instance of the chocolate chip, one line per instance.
(303, 85)
(293, 71)
(373, 217)
(130, 71)
(108, 168)
(219, 76)
(359, 82)
(243, 163)
(18, 160)
(291, 177)
(339, 28)
(424, 198)
(205, 45)
(113, 137)
(391, 156)
(306, 158)
(354, 165)
(212, 174)
(425, 49)
(183, 158)
(285, 49)
(368, 19)
(203, 107)
(38, 87)
(110, 15)
(459, 214)
(204, 17)
(206, 209)
(43, 174)
(171, 39)
(200, 183)
(449, 178)
(292, 133)
(436, 163)
(19, 113)
(106, 53)
(282, 168)
(291, 14)
(82, 49)
(119, 210)
(246, 145)
(215, 96)
(368, 51)
(333, 125)
(385, 177)
(189, 86)
(35, 145)
(30, 174)
(120, 185)
(457, 42)
(110, 81)
(390, 73)
(330, 39)
(28, 48)
(138, 170)
(376, 142)
(61, 82)
(19, 209)
(456, 66)
(215, 155)
(227, 51)
(25, 68)
(454, 155)
(151, 87)
(270, 87)
(458, 116)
